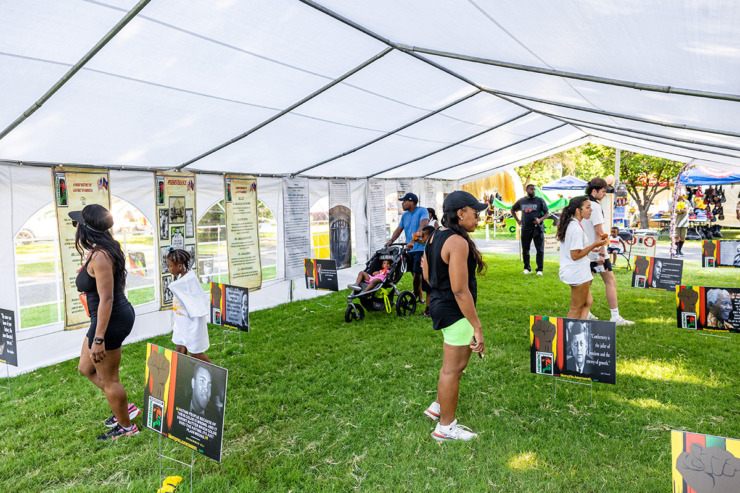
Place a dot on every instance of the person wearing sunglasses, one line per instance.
(102, 279)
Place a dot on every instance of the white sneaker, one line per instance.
(621, 321)
(432, 412)
(526, 271)
(453, 432)
(353, 287)
(591, 316)
(539, 273)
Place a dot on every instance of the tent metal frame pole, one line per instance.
(626, 146)
(548, 152)
(76, 67)
(288, 109)
(449, 146)
(603, 126)
(640, 86)
(495, 150)
(392, 132)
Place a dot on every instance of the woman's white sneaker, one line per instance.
(432, 412)
(453, 432)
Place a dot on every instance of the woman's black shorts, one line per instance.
(119, 327)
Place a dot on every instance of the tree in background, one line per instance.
(573, 161)
(644, 176)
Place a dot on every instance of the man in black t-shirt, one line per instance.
(534, 212)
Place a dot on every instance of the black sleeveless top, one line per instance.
(88, 285)
(442, 304)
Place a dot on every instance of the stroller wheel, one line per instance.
(354, 312)
(406, 304)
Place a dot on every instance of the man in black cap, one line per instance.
(534, 212)
(413, 221)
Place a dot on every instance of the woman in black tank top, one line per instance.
(102, 279)
(450, 264)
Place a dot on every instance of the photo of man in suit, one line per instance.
(578, 347)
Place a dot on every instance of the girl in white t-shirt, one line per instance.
(574, 262)
(190, 306)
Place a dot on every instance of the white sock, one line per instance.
(129, 428)
(449, 426)
(615, 312)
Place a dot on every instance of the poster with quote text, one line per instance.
(296, 225)
(376, 214)
(8, 346)
(242, 231)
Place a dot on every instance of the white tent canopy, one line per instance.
(435, 88)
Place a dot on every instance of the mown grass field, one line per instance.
(315, 404)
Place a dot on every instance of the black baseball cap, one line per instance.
(77, 218)
(459, 199)
(410, 196)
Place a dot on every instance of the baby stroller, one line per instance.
(381, 297)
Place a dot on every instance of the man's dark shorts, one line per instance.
(414, 264)
(607, 266)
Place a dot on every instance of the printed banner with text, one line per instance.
(340, 223)
(657, 273)
(242, 231)
(296, 225)
(175, 205)
(230, 306)
(74, 188)
(376, 214)
(184, 400)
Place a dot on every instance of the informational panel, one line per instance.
(184, 400)
(402, 187)
(430, 194)
(707, 308)
(321, 274)
(230, 306)
(75, 188)
(376, 214)
(573, 348)
(175, 205)
(8, 347)
(720, 253)
(704, 463)
(296, 225)
(340, 223)
(658, 273)
(242, 231)
(644, 246)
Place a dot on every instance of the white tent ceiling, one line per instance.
(449, 89)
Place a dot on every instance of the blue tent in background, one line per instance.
(702, 175)
(566, 183)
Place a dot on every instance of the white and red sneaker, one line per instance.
(453, 432)
(432, 412)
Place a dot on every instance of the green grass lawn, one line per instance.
(315, 404)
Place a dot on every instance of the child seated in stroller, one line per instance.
(373, 280)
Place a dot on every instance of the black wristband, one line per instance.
(98, 340)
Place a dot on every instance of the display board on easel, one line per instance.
(657, 273)
(720, 253)
(708, 308)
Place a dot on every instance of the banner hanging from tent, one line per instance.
(296, 225)
(376, 214)
(75, 188)
(340, 223)
(430, 195)
(242, 231)
(175, 205)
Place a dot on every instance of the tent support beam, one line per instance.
(76, 67)
(572, 75)
(449, 146)
(288, 109)
(495, 150)
(388, 134)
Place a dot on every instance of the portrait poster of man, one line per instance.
(8, 347)
(75, 189)
(321, 274)
(175, 206)
(166, 293)
(230, 306)
(704, 463)
(729, 253)
(657, 273)
(184, 400)
(572, 347)
(340, 223)
(708, 308)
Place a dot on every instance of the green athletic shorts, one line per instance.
(459, 333)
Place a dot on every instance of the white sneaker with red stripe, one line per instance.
(453, 432)
(432, 412)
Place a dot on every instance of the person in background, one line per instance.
(574, 263)
(102, 279)
(534, 212)
(616, 245)
(593, 226)
(433, 222)
(683, 208)
(413, 221)
(450, 266)
(426, 233)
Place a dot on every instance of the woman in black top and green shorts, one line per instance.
(102, 279)
(450, 263)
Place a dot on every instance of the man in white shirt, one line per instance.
(594, 228)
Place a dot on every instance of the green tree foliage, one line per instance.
(573, 162)
(644, 176)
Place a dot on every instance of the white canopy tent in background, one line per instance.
(450, 90)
